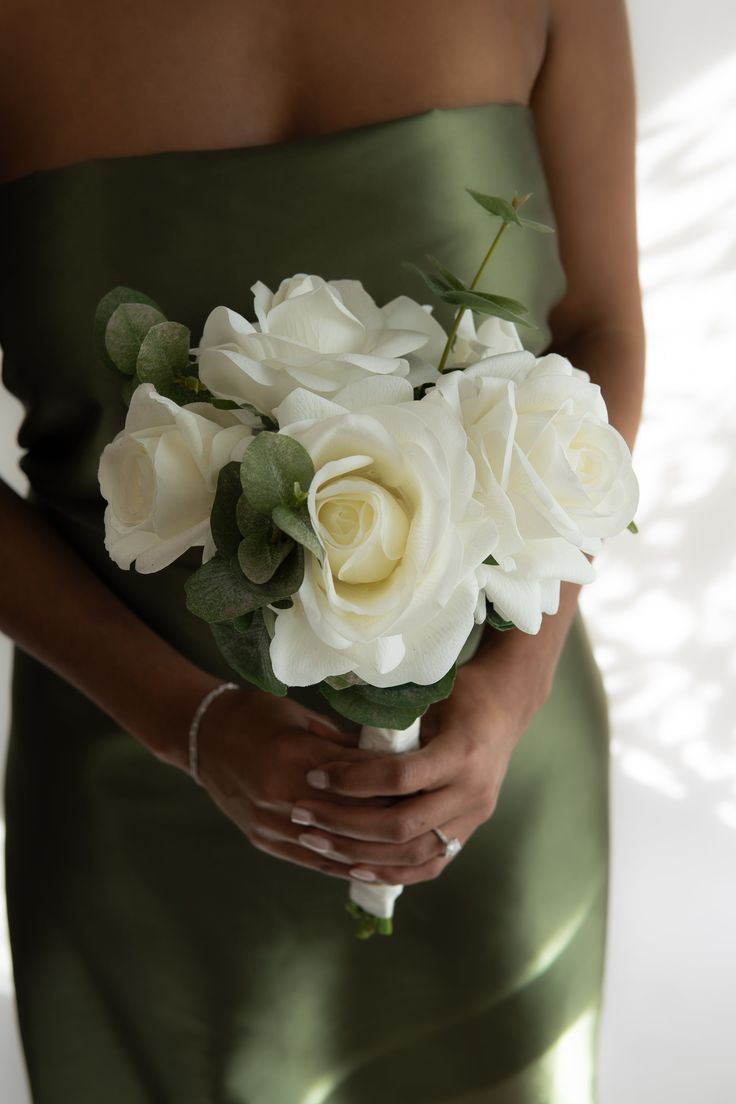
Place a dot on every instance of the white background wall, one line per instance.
(663, 612)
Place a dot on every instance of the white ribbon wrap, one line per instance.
(379, 900)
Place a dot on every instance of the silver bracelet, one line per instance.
(199, 713)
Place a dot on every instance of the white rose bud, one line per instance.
(159, 477)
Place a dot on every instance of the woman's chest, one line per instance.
(93, 80)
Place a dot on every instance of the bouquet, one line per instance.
(365, 487)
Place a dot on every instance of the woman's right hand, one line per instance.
(254, 754)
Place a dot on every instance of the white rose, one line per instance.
(159, 477)
(312, 333)
(493, 337)
(392, 503)
(539, 435)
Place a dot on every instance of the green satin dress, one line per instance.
(159, 958)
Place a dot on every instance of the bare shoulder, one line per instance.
(584, 106)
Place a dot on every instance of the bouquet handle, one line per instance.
(371, 904)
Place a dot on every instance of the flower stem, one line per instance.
(516, 202)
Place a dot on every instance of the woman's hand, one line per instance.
(255, 752)
(451, 783)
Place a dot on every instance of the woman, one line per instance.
(163, 951)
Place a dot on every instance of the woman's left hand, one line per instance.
(452, 782)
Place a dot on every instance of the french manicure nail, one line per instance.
(301, 816)
(318, 779)
(363, 875)
(316, 843)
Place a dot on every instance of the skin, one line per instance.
(298, 788)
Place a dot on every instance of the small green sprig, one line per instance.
(451, 289)
(368, 925)
(135, 339)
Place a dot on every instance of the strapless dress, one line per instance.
(158, 957)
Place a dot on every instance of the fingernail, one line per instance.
(316, 843)
(318, 779)
(301, 816)
(363, 875)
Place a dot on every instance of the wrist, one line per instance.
(168, 721)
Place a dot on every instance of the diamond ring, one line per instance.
(451, 846)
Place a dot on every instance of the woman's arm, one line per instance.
(255, 750)
(584, 108)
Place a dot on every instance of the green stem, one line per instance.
(516, 202)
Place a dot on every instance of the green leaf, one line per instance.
(242, 624)
(223, 519)
(341, 682)
(282, 603)
(218, 591)
(540, 227)
(450, 279)
(271, 466)
(497, 621)
(164, 355)
(248, 653)
(503, 301)
(496, 206)
(285, 580)
(484, 304)
(435, 285)
(261, 547)
(105, 310)
(389, 706)
(296, 522)
(633, 527)
(126, 330)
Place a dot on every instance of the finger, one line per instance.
(391, 775)
(322, 726)
(353, 852)
(386, 874)
(400, 822)
(300, 856)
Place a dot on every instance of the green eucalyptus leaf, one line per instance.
(435, 285)
(261, 547)
(388, 706)
(218, 591)
(496, 206)
(248, 653)
(496, 621)
(341, 682)
(295, 521)
(484, 304)
(284, 581)
(540, 227)
(242, 624)
(270, 468)
(282, 603)
(105, 310)
(126, 331)
(164, 355)
(223, 519)
(449, 278)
